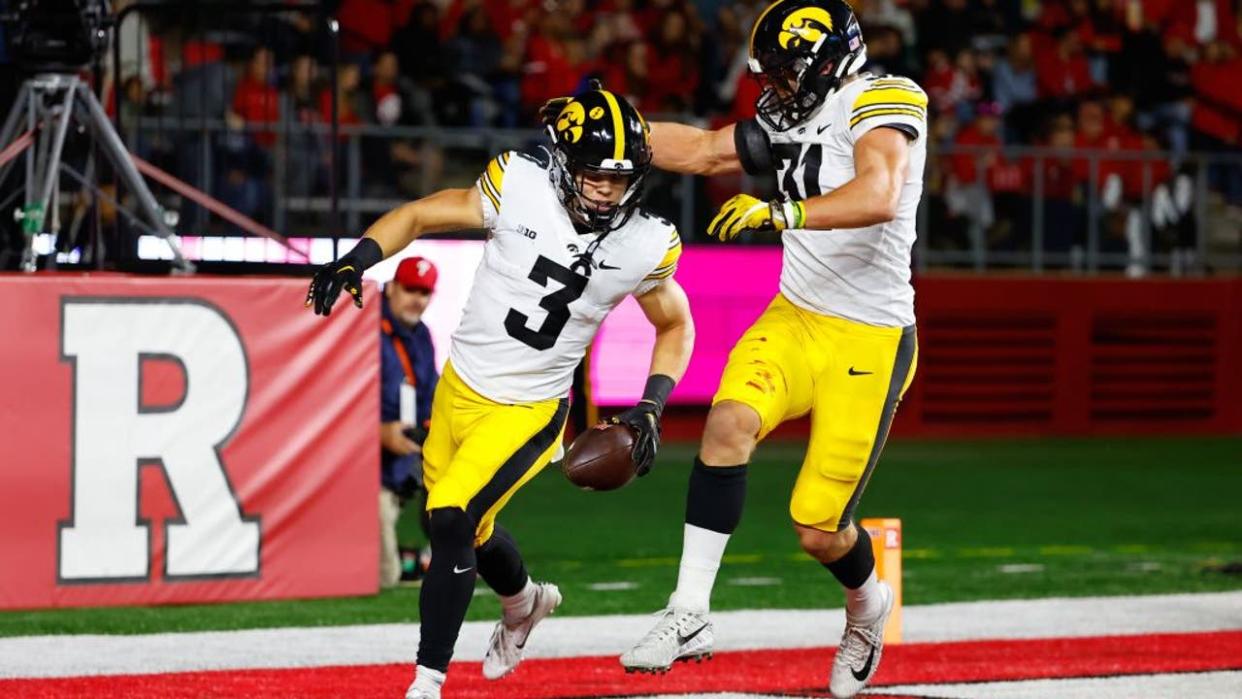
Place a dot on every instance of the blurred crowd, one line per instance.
(1125, 76)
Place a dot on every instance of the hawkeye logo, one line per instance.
(569, 123)
(808, 25)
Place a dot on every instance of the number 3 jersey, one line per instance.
(860, 274)
(542, 289)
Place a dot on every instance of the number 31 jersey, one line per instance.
(860, 274)
(542, 289)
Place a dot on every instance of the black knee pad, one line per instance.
(450, 526)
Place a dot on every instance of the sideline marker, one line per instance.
(886, 545)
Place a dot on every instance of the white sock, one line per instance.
(428, 680)
(518, 607)
(701, 551)
(864, 604)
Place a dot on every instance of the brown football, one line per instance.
(599, 459)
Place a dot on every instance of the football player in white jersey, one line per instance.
(838, 342)
(567, 242)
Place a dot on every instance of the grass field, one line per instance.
(982, 520)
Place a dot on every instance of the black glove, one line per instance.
(408, 489)
(416, 434)
(644, 419)
(345, 273)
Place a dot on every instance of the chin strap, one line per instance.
(586, 259)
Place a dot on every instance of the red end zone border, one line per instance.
(801, 672)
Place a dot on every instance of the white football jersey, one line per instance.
(542, 289)
(860, 274)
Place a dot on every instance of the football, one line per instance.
(599, 459)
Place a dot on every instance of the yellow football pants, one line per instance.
(479, 452)
(848, 376)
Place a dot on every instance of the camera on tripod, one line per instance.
(58, 36)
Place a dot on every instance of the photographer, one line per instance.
(408, 381)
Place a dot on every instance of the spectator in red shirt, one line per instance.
(674, 67)
(1218, 105)
(953, 86)
(627, 73)
(348, 78)
(510, 17)
(1202, 23)
(1063, 73)
(367, 25)
(1063, 211)
(998, 190)
(256, 101)
(1097, 133)
(555, 62)
(1139, 177)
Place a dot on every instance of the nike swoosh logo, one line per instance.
(459, 571)
(821, 129)
(682, 640)
(861, 675)
(605, 265)
(853, 372)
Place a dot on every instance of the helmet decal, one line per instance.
(597, 112)
(569, 123)
(807, 25)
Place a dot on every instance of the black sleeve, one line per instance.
(753, 148)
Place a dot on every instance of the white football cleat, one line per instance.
(679, 635)
(413, 693)
(858, 656)
(504, 651)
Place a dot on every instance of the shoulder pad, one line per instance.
(537, 155)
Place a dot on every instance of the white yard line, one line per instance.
(1200, 685)
(62, 656)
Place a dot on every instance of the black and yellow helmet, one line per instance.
(801, 50)
(598, 131)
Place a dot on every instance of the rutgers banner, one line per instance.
(184, 440)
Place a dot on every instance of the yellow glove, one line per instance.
(746, 213)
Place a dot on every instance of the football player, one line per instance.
(567, 242)
(837, 341)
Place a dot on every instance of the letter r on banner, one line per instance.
(105, 340)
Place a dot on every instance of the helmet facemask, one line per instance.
(568, 176)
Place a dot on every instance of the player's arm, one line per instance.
(668, 311)
(446, 210)
(691, 150)
(881, 163)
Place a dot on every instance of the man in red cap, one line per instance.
(408, 381)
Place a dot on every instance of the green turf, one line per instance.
(983, 520)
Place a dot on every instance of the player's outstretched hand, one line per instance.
(746, 213)
(345, 273)
(644, 419)
(328, 282)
